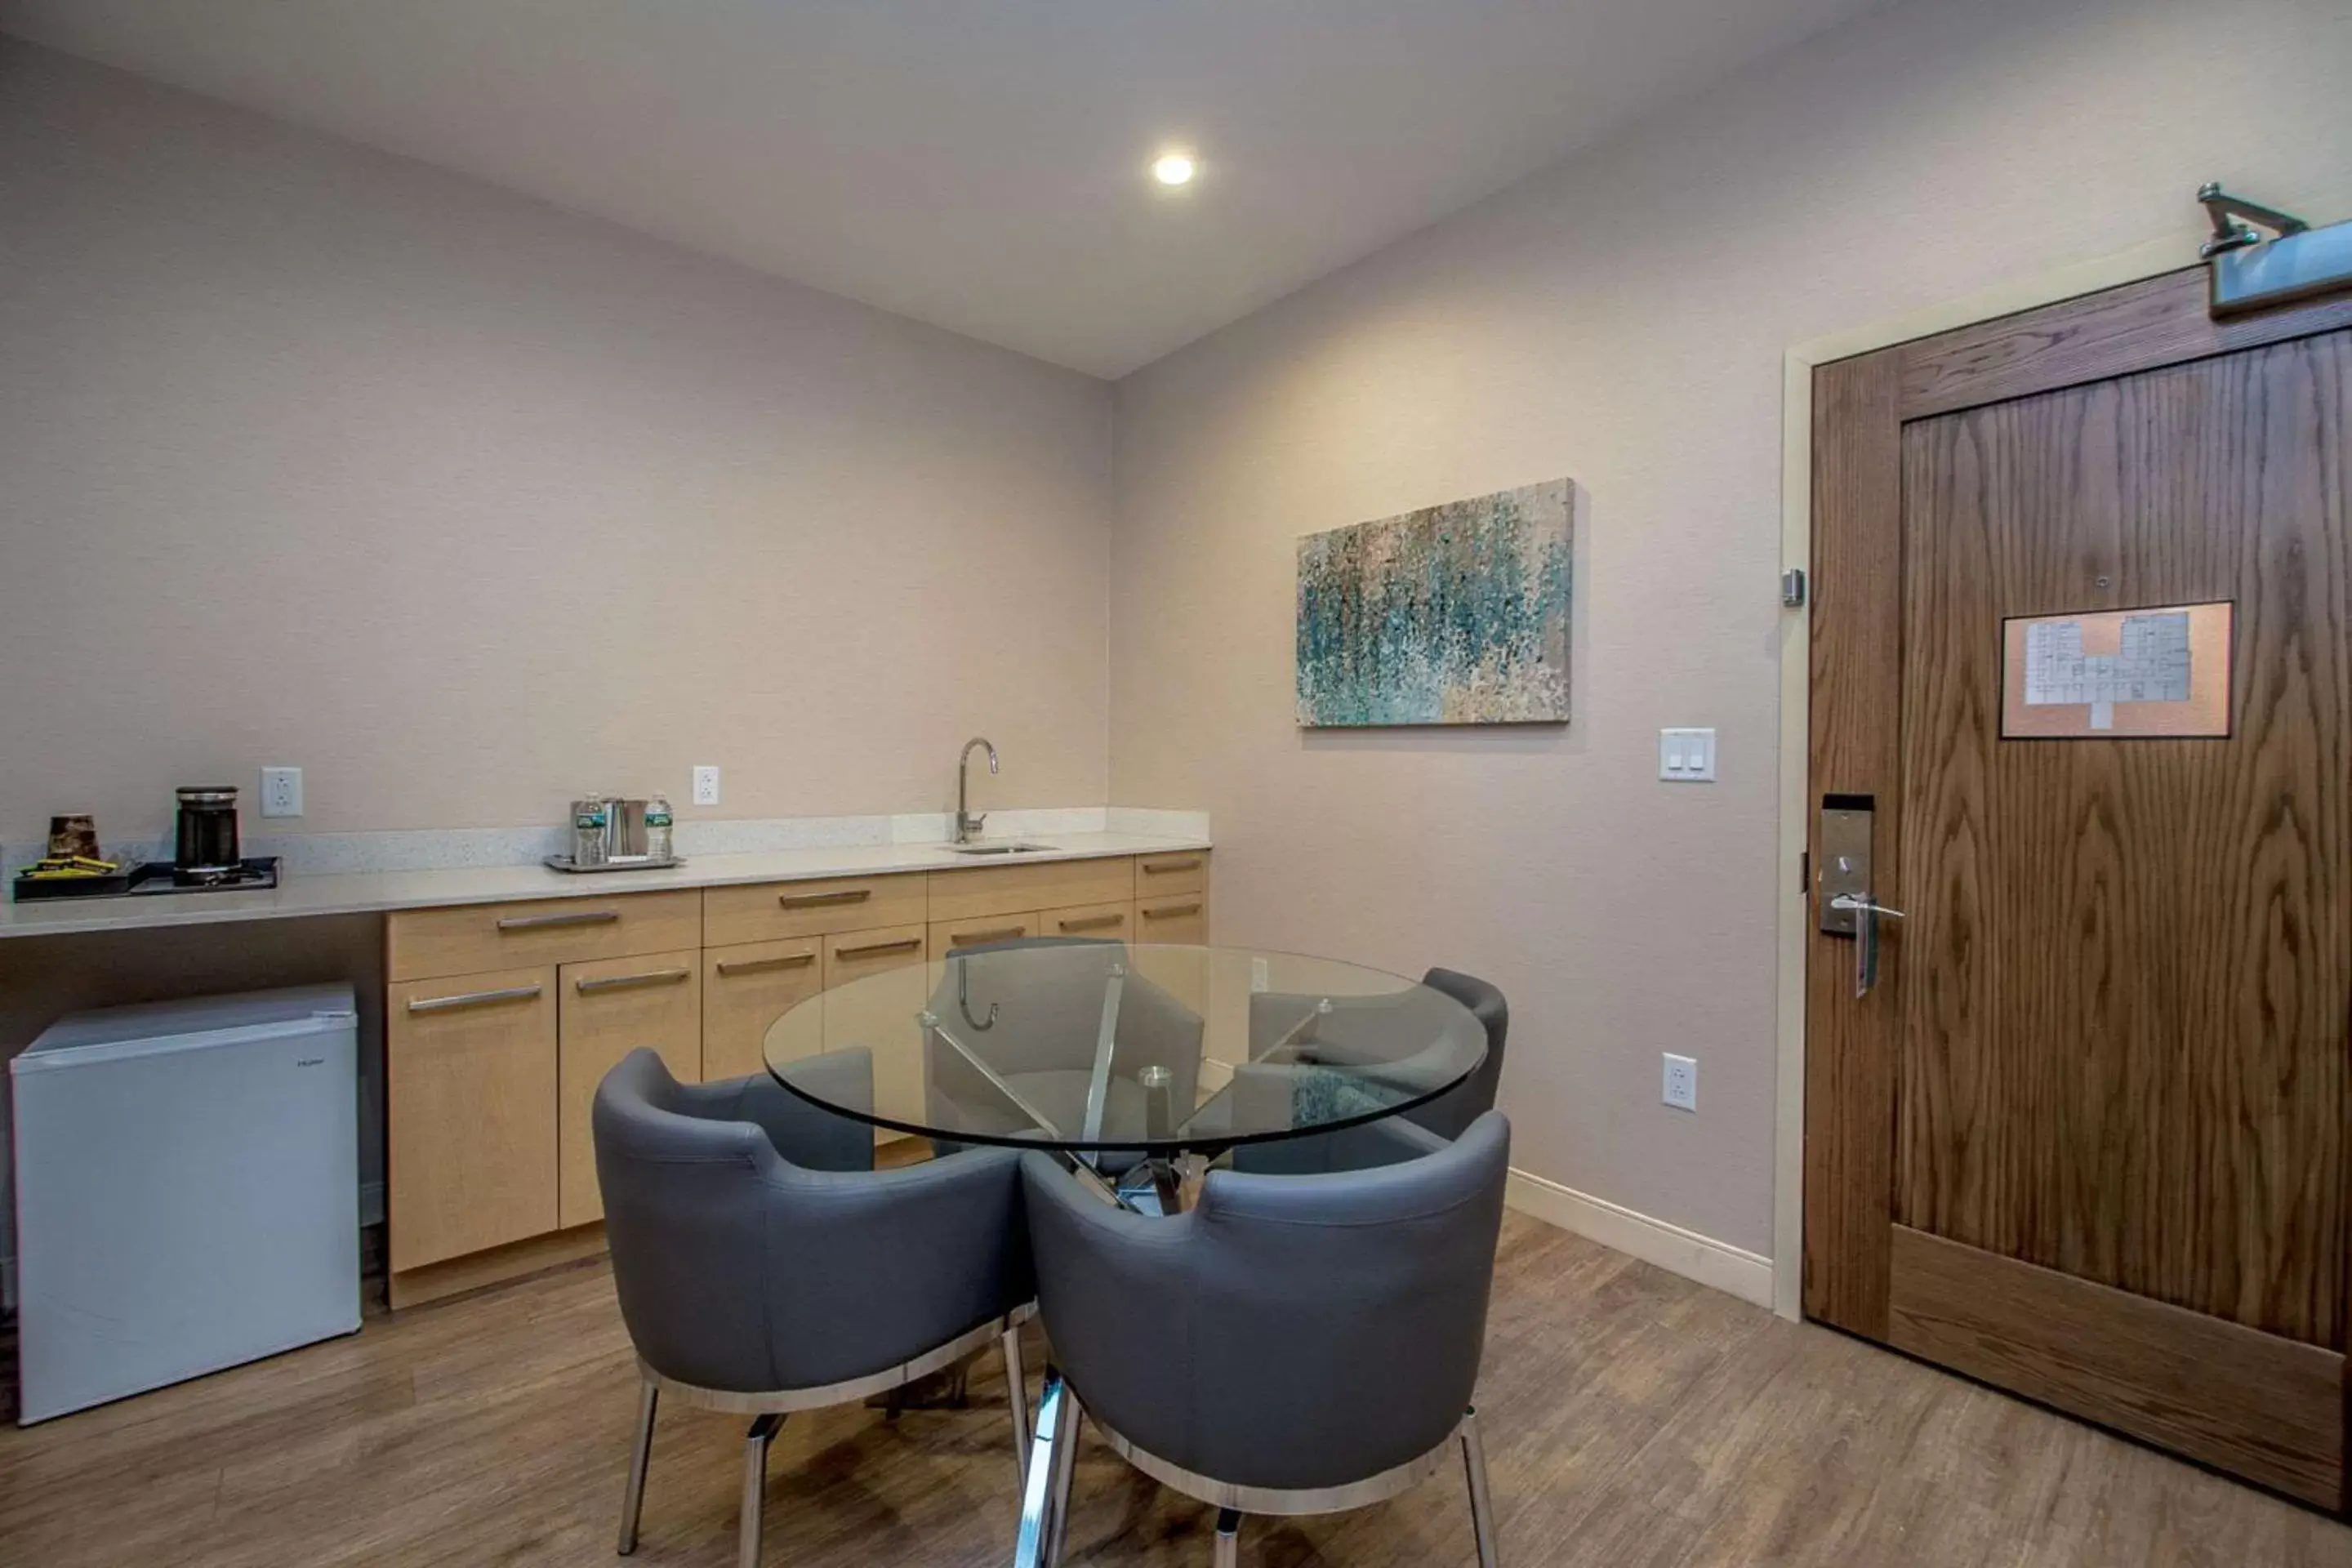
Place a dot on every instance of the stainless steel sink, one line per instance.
(1009, 846)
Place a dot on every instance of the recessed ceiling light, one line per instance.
(1173, 169)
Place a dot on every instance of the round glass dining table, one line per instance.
(1138, 1061)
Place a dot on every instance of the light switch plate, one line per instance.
(705, 786)
(1681, 1089)
(281, 792)
(1686, 756)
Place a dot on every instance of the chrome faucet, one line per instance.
(966, 823)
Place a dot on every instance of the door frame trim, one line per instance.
(2171, 253)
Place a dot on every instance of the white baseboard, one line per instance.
(1713, 1263)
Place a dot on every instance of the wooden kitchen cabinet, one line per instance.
(470, 1077)
(608, 1009)
(746, 988)
(503, 1018)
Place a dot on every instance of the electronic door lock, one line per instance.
(1844, 874)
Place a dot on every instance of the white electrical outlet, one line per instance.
(705, 786)
(1682, 1082)
(1258, 981)
(281, 792)
(1686, 756)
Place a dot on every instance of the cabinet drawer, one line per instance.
(747, 987)
(851, 954)
(771, 911)
(1110, 922)
(1178, 920)
(947, 936)
(1158, 875)
(472, 939)
(958, 896)
(469, 1072)
(609, 1009)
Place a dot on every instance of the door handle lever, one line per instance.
(1867, 912)
(1863, 904)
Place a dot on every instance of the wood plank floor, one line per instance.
(1631, 1418)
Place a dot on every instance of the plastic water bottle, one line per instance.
(657, 825)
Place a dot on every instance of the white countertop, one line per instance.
(372, 892)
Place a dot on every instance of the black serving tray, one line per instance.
(40, 890)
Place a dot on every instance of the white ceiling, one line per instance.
(982, 165)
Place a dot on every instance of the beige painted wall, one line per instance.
(1621, 318)
(313, 456)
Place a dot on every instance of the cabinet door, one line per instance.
(1184, 919)
(470, 1112)
(875, 1015)
(747, 987)
(1109, 923)
(609, 1009)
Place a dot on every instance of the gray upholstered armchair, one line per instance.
(1357, 1030)
(764, 1267)
(1292, 1345)
(1041, 1035)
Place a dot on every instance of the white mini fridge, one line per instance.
(187, 1191)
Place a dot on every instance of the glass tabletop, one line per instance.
(1107, 1045)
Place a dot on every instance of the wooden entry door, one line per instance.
(2087, 1139)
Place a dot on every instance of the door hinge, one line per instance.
(1792, 587)
(1804, 871)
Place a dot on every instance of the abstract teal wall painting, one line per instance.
(1454, 615)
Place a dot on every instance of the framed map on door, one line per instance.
(2104, 675)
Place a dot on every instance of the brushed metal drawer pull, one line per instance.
(1092, 923)
(907, 945)
(630, 982)
(820, 900)
(1171, 912)
(472, 999)
(1001, 933)
(764, 965)
(1150, 870)
(550, 922)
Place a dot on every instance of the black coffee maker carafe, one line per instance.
(207, 839)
